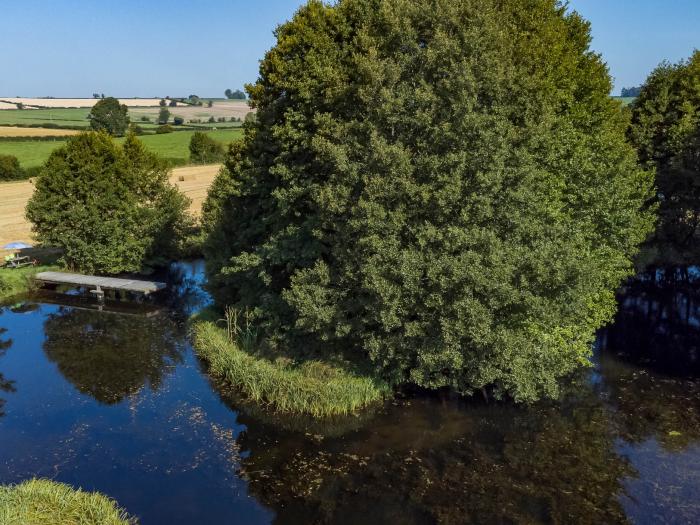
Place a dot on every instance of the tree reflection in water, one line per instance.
(425, 462)
(111, 357)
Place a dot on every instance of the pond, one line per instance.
(116, 401)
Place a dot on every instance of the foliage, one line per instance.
(17, 281)
(45, 502)
(10, 168)
(178, 121)
(210, 103)
(163, 115)
(631, 92)
(235, 95)
(312, 387)
(204, 149)
(443, 188)
(162, 103)
(666, 131)
(172, 104)
(109, 207)
(110, 116)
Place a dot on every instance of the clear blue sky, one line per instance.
(178, 47)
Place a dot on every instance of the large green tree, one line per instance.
(441, 187)
(109, 207)
(110, 116)
(666, 131)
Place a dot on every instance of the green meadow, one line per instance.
(172, 146)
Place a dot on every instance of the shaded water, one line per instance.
(116, 401)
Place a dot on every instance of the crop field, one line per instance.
(72, 117)
(173, 146)
(76, 102)
(221, 108)
(14, 227)
(11, 131)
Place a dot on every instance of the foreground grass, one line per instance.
(313, 388)
(43, 502)
(19, 280)
(173, 146)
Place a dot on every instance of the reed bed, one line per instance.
(44, 502)
(311, 387)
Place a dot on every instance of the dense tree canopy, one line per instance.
(204, 149)
(110, 116)
(443, 188)
(666, 130)
(109, 207)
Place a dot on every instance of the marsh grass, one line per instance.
(44, 502)
(314, 388)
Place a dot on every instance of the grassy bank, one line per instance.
(18, 281)
(173, 146)
(43, 502)
(312, 388)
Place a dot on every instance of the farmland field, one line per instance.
(12, 131)
(14, 226)
(173, 146)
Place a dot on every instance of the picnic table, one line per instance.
(19, 262)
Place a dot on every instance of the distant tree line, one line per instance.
(631, 92)
(235, 95)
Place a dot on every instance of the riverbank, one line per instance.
(44, 502)
(313, 387)
(20, 280)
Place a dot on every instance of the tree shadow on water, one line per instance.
(112, 356)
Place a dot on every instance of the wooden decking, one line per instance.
(100, 284)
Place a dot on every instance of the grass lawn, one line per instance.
(173, 146)
(44, 502)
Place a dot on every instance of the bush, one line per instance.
(163, 116)
(110, 116)
(178, 121)
(211, 120)
(44, 502)
(204, 149)
(145, 118)
(312, 388)
(10, 168)
(109, 207)
(167, 128)
(449, 197)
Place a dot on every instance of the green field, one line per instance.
(59, 117)
(173, 146)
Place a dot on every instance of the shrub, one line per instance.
(109, 207)
(163, 116)
(110, 116)
(167, 128)
(44, 502)
(313, 387)
(10, 168)
(145, 118)
(204, 149)
(211, 120)
(178, 121)
(449, 196)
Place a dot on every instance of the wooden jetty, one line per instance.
(100, 284)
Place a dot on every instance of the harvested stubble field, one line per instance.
(14, 197)
(11, 131)
(221, 108)
(75, 102)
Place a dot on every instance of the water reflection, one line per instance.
(111, 357)
(429, 462)
(6, 386)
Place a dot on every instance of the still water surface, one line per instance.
(116, 401)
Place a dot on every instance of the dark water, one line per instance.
(116, 401)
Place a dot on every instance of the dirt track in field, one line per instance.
(12, 131)
(14, 197)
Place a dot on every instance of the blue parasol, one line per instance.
(16, 246)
